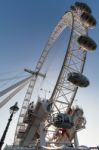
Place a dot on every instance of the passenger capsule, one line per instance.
(78, 79)
(87, 43)
(88, 20)
(83, 7)
(63, 121)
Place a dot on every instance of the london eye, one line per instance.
(53, 122)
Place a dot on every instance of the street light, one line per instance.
(13, 109)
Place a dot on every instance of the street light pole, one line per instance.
(5, 131)
(13, 109)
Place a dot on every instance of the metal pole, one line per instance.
(5, 131)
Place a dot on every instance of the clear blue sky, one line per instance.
(25, 26)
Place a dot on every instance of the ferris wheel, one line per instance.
(54, 122)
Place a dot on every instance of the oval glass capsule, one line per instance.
(62, 120)
(83, 7)
(88, 20)
(87, 43)
(78, 79)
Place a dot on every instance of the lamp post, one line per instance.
(13, 109)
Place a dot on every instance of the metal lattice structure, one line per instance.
(64, 91)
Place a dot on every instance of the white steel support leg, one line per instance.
(42, 135)
(76, 143)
